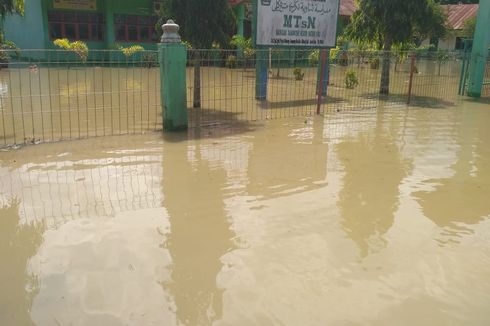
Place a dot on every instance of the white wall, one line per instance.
(449, 43)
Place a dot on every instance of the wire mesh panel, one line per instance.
(486, 80)
(436, 78)
(222, 83)
(49, 95)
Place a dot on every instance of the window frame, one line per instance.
(141, 22)
(95, 23)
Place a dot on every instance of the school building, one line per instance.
(99, 23)
(103, 23)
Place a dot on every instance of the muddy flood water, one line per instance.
(359, 218)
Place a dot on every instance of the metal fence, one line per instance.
(486, 81)
(228, 81)
(49, 95)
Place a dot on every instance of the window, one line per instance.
(459, 43)
(434, 41)
(76, 26)
(130, 28)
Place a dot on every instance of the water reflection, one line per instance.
(462, 197)
(200, 234)
(288, 160)
(258, 227)
(19, 242)
(373, 170)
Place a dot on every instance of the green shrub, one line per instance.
(244, 44)
(351, 80)
(7, 49)
(114, 46)
(77, 47)
(231, 62)
(374, 62)
(334, 53)
(131, 50)
(314, 57)
(298, 73)
(187, 44)
(149, 59)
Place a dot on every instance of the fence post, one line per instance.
(173, 57)
(322, 80)
(478, 60)
(410, 83)
(261, 73)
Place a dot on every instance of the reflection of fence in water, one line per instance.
(56, 191)
(50, 95)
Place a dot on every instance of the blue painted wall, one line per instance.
(28, 31)
(31, 31)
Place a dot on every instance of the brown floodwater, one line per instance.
(374, 217)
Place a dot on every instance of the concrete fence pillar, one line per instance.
(479, 54)
(172, 55)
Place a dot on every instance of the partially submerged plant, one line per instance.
(314, 57)
(298, 73)
(77, 47)
(351, 80)
(231, 62)
(8, 48)
(244, 46)
(374, 62)
(131, 50)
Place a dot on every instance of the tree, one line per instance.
(395, 22)
(469, 27)
(202, 23)
(9, 7)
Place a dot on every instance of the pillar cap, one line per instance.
(170, 32)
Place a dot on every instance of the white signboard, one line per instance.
(302, 23)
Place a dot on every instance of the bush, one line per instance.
(298, 73)
(351, 80)
(7, 49)
(131, 50)
(334, 53)
(187, 44)
(231, 62)
(150, 59)
(374, 62)
(314, 57)
(78, 47)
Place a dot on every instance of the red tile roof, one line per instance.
(458, 14)
(347, 7)
(235, 2)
